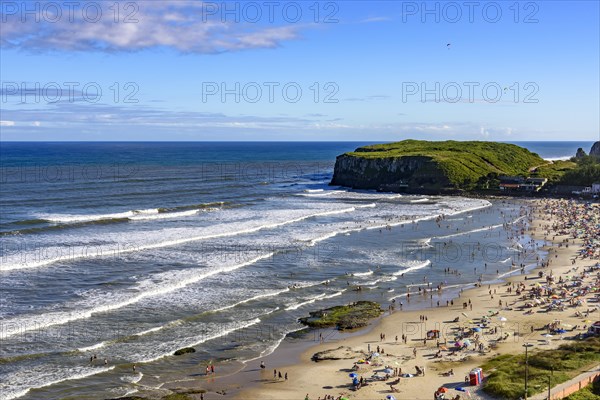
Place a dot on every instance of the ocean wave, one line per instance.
(75, 254)
(253, 298)
(135, 378)
(13, 391)
(413, 267)
(295, 306)
(485, 228)
(33, 322)
(195, 341)
(66, 221)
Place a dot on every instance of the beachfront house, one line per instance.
(596, 188)
(510, 183)
(533, 184)
(518, 183)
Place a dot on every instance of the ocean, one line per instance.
(131, 251)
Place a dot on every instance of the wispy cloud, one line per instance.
(375, 19)
(184, 26)
(81, 121)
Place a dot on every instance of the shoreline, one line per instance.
(306, 374)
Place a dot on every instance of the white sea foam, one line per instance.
(170, 215)
(20, 385)
(33, 322)
(71, 218)
(485, 228)
(133, 378)
(309, 301)
(260, 296)
(93, 347)
(151, 330)
(195, 341)
(83, 252)
(413, 266)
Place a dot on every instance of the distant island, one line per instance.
(418, 166)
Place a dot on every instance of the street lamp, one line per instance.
(526, 345)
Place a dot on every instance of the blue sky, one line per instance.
(367, 71)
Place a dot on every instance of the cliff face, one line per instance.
(371, 173)
(419, 165)
(595, 151)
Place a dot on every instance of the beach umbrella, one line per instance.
(353, 375)
(442, 390)
(388, 370)
(476, 329)
(547, 335)
(375, 354)
(502, 319)
(467, 342)
(390, 397)
(465, 315)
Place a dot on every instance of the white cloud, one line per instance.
(7, 123)
(181, 25)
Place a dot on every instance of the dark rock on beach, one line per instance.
(185, 350)
(351, 316)
(340, 353)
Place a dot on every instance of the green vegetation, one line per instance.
(554, 171)
(506, 372)
(351, 316)
(590, 392)
(586, 172)
(466, 165)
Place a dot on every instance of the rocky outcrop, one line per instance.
(185, 350)
(372, 173)
(595, 151)
(421, 166)
(351, 316)
(340, 353)
(580, 153)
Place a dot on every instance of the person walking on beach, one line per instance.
(279, 374)
(207, 370)
(274, 374)
(286, 376)
(212, 368)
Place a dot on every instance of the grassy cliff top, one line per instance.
(461, 161)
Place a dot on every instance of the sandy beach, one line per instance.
(510, 323)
